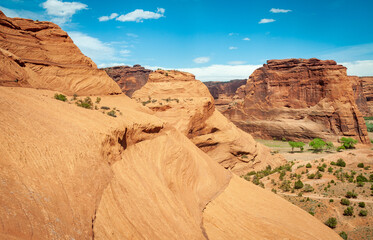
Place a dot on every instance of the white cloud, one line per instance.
(139, 15)
(92, 47)
(202, 60)
(278, 10)
(350, 53)
(236, 62)
(62, 11)
(266, 20)
(232, 34)
(107, 18)
(246, 39)
(359, 68)
(21, 14)
(132, 35)
(105, 65)
(232, 48)
(125, 52)
(222, 72)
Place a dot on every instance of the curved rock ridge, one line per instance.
(186, 103)
(299, 99)
(42, 55)
(130, 177)
(128, 78)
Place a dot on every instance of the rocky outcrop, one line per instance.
(360, 96)
(128, 78)
(299, 99)
(42, 55)
(367, 83)
(186, 103)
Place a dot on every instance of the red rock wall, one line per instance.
(299, 99)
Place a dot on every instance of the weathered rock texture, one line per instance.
(367, 83)
(41, 55)
(72, 173)
(299, 99)
(128, 78)
(186, 103)
(359, 94)
(224, 92)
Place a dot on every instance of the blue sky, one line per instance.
(215, 40)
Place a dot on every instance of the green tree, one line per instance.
(343, 235)
(298, 184)
(331, 222)
(317, 144)
(299, 145)
(348, 142)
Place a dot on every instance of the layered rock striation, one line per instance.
(367, 83)
(42, 55)
(128, 78)
(186, 103)
(299, 99)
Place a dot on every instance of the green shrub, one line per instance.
(343, 235)
(369, 127)
(362, 204)
(308, 165)
(330, 169)
(351, 195)
(98, 100)
(345, 201)
(321, 168)
(348, 142)
(60, 97)
(341, 163)
(307, 188)
(298, 184)
(112, 113)
(311, 176)
(332, 163)
(329, 146)
(349, 211)
(317, 144)
(86, 103)
(363, 213)
(331, 222)
(360, 165)
(361, 178)
(360, 184)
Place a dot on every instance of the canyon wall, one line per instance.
(42, 55)
(299, 99)
(128, 78)
(367, 83)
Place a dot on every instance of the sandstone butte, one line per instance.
(128, 78)
(41, 55)
(367, 86)
(298, 99)
(186, 103)
(72, 173)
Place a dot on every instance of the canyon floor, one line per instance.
(324, 185)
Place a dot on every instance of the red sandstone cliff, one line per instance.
(42, 55)
(367, 83)
(128, 78)
(299, 99)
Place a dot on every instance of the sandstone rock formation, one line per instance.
(224, 92)
(41, 55)
(186, 103)
(367, 83)
(68, 172)
(359, 94)
(128, 78)
(299, 99)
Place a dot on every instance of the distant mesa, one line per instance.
(42, 55)
(300, 99)
(128, 78)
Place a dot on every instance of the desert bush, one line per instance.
(299, 145)
(86, 103)
(331, 222)
(351, 195)
(321, 168)
(308, 165)
(311, 176)
(98, 100)
(298, 184)
(343, 235)
(369, 127)
(348, 142)
(329, 146)
(60, 97)
(112, 113)
(331, 200)
(361, 178)
(349, 211)
(360, 184)
(105, 108)
(360, 165)
(345, 201)
(330, 169)
(341, 163)
(307, 188)
(317, 144)
(285, 186)
(362, 204)
(363, 213)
